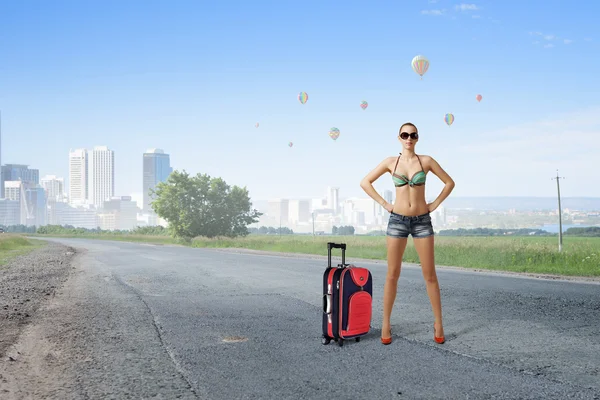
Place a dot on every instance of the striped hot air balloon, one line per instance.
(449, 118)
(420, 64)
(302, 97)
(334, 133)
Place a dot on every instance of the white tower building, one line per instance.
(78, 176)
(101, 175)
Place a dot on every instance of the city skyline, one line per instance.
(112, 78)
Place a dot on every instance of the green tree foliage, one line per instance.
(590, 231)
(203, 206)
(494, 232)
(342, 230)
(263, 230)
(71, 230)
(18, 229)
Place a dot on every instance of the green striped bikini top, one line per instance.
(418, 178)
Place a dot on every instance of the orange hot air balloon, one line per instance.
(479, 97)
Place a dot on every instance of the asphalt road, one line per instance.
(149, 321)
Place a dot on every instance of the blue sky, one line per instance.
(193, 77)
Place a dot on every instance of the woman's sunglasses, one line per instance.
(405, 135)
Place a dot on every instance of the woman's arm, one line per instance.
(367, 183)
(444, 177)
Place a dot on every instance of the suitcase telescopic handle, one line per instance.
(331, 245)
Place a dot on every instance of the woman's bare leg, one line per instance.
(424, 247)
(395, 251)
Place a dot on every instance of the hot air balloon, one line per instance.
(302, 97)
(420, 64)
(290, 144)
(256, 125)
(334, 133)
(364, 105)
(449, 118)
(479, 97)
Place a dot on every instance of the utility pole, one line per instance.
(559, 212)
(313, 217)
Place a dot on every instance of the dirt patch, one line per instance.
(25, 283)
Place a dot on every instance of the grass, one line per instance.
(580, 255)
(12, 246)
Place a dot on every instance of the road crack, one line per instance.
(182, 372)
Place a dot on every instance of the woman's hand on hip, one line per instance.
(389, 207)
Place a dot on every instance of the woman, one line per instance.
(409, 215)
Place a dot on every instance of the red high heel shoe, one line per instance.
(439, 340)
(387, 341)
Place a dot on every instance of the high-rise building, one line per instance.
(388, 196)
(333, 199)
(15, 191)
(124, 213)
(1, 172)
(35, 197)
(19, 172)
(299, 211)
(10, 212)
(78, 176)
(101, 175)
(157, 169)
(54, 187)
(278, 211)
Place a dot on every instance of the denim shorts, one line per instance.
(400, 226)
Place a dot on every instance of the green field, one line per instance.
(12, 246)
(580, 255)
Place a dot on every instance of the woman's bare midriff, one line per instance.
(410, 201)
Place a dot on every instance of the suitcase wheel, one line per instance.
(358, 339)
(341, 342)
(325, 340)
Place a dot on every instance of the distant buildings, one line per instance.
(19, 172)
(78, 176)
(20, 184)
(157, 168)
(89, 201)
(54, 187)
(101, 177)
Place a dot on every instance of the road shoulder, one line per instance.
(349, 259)
(95, 339)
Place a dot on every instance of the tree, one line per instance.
(342, 230)
(203, 206)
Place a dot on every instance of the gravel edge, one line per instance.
(26, 282)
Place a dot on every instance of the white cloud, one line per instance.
(524, 157)
(432, 12)
(587, 39)
(548, 45)
(466, 7)
(549, 38)
(476, 16)
(433, 1)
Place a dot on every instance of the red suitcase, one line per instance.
(347, 299)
